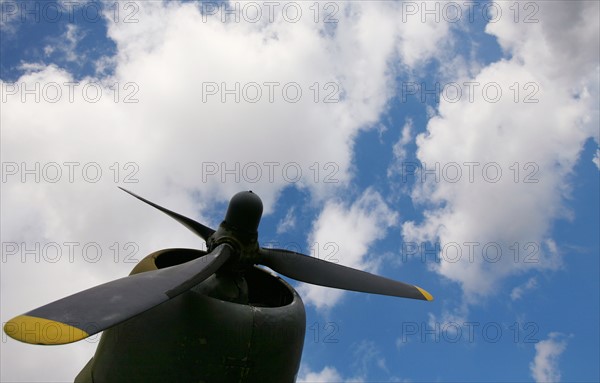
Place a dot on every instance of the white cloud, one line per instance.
(449, 317)
(537, 142)
(399, 148)
(366, 356)
(326, 375)
(66, 44)
(343, 234)
(9, 19)
(169, 135)
(517, 292)
(288, 222)
(544, 367)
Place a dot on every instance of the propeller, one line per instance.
(318, 272)
(196, 227)
(93, 310)
(233, 246)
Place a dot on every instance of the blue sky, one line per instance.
(330, 113)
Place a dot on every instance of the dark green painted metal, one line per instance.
(198, 338)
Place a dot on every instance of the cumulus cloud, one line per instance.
(327, 375)
(344, 234)
(544, 367)
(179, 120)
(367, 358)
(501, 148)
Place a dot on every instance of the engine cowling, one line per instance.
(196, 337)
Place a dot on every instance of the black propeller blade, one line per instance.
(203, 231)
(93, 310)
(318, 272)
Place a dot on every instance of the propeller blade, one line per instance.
(318, 272)
(196, 227)
(96, 309)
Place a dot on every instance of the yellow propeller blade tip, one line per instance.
(34, 330)
(427, 296)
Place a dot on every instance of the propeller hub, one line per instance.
(244, 212)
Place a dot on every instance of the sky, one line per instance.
(452, 145)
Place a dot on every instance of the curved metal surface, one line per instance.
(197, 338)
